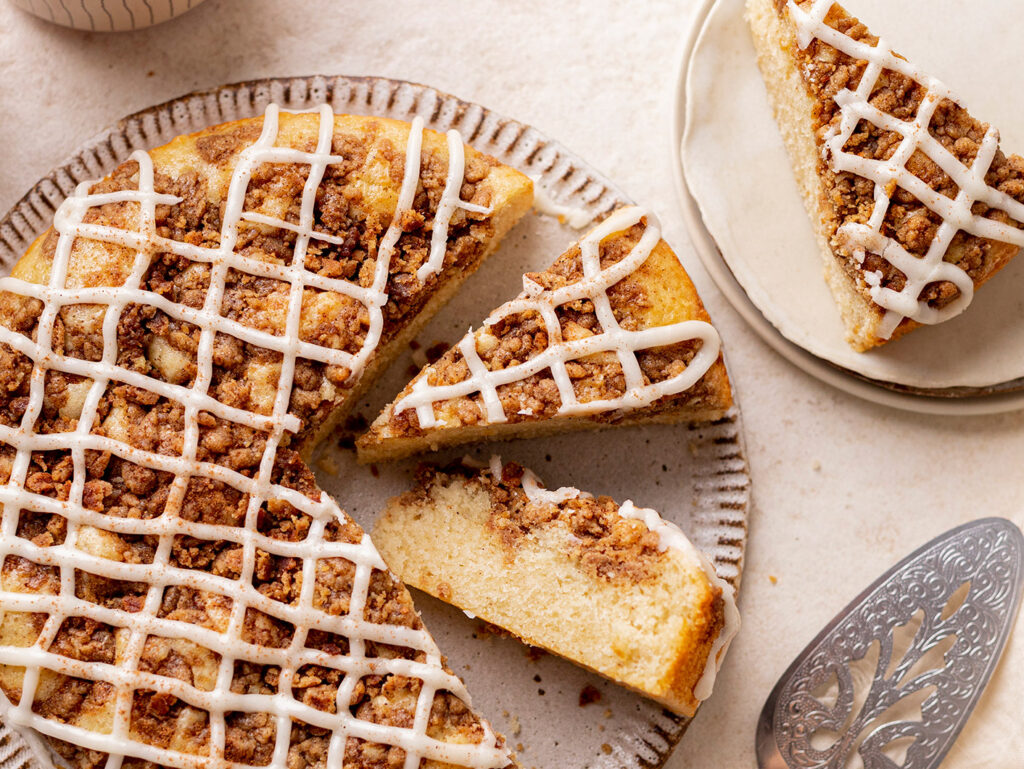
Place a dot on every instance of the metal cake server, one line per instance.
(890, 682)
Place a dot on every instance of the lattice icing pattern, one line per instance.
(956, 213)
(318, 549)
(623, 343)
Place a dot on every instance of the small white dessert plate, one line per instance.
(553, 713)
(752, 232)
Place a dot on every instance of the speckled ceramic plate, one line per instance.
(695, 475)
(757, 242)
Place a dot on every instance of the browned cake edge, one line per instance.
(690, 651)
(401, 447)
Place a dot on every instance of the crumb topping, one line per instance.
(599, 540)
(164, 348)
(244, 374)
(519, 337)
(827, 71)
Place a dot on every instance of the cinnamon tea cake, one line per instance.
(613, 588)
(913, 202)
(175, 590)
(613, 333)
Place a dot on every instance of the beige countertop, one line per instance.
(842, 488)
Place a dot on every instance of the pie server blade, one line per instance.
(892, 679)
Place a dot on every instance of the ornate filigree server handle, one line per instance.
(892, 680)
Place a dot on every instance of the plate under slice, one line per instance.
(723, 134)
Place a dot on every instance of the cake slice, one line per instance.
(613, 333)
(913, 202)
(175, 590)
(613, 588)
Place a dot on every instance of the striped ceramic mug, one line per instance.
(106, 15)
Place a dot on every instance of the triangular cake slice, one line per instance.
(613, 333)
(614, 588)
(175, 590)
(913, 202)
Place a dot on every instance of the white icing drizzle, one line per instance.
(450, 200)
(532, 485)
(67, 558)
(613, 338)
(671, 537)
(956, 213)
(543, 203)
(536, 493)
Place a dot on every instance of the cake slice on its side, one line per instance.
(613, 588)
(912, 200)
(613, 333)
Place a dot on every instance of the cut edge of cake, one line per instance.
(394, 448)
(792, 104)
(635, 603)
(519, 203)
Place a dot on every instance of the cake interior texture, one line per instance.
(571, 576)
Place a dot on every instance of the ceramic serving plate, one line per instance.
(756, 239)
(697, 476)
